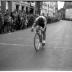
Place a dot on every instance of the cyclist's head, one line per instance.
(43, 15)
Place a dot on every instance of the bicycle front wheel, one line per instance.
(37, 44)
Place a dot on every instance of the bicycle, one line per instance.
(39, 38)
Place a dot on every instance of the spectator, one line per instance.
(7, 21)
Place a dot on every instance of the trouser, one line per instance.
(44, 34)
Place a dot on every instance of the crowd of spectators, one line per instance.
(16, 20)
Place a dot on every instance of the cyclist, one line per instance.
(41, 21)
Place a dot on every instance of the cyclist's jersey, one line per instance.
(41, 21)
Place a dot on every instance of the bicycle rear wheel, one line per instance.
(37, 44)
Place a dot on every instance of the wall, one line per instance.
(68, 10)
(3, 6)
(68, 13)
(14, 3)
(49, 8)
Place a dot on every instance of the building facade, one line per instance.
(18, 4)
(38, 7)
(12, 5)
(49, 8)
(68, 9)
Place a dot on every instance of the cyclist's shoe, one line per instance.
(43, 43)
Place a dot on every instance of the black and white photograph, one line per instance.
(35, 35)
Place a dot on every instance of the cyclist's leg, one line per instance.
(44, 36)
(39, 34)
(40, 39)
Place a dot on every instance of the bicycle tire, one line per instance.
(35, 41)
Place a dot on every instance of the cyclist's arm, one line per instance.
(33, 27)
(34, 24)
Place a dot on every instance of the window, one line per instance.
(17, 7)
(6, 5)
(27, 10)
(31, 10)
(22, 7)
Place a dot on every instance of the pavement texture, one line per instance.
(17, 50)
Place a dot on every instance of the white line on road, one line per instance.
(21, 45)
(14, 44)
(49, 45)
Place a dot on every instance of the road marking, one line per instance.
(14, 44)
(15, 39)
(47, 46)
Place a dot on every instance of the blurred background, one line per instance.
(18, 15)
(16, 39)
